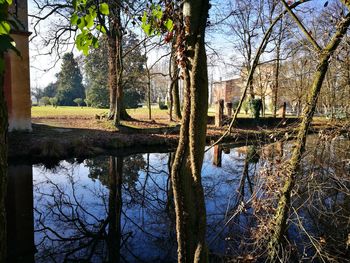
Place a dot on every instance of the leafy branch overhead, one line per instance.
(89, 19)
(166, 18)
(156, 22)
(6, 41)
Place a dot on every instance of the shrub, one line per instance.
(78, 101)
(235, 105)
(245, 106)
(44, 101)
(54, 102)
(162, 105)
(255, 107)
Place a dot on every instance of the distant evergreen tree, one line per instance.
(96, 70)
(50, 90)
(134, 77)
(69, 81)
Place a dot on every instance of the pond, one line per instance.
(120, 208)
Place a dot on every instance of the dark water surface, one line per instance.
(72, 212)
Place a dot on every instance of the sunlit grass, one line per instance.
(70, 111)
(49, 111)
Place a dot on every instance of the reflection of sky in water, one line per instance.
(71, 190)
(145, 205)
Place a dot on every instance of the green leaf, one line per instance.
(104, 9)
(157, 12)
(169, 25)
(4, 28)
(95, 43)
(147, 28)
(81, 23)
(7, 43)
(9, 2)
(89, 19)
(79, 41)
(144, 18)
(92, 11)
(74, 19)
(85, 50)
(101, 28)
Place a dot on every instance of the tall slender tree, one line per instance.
(324, 56)
(186, 169)
(174, 85)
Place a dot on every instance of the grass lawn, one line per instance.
(71, 111)
(84, 117)
(138, 113)
(49, 111)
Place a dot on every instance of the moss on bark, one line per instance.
(186, 170)
(282, 211)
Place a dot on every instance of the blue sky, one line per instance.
(41, 76)
(43, 68)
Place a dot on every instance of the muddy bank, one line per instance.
(49, 144)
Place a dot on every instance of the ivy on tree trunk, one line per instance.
(186, 170)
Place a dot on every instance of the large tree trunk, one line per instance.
(186, 170)
(3, 164)
(115, 64)
(119, 111)
(281, 215)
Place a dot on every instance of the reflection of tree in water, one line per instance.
(321, 211)
(233, 229)
(65, 224)
(75, 217)
(320, 208)
(132, 165)
(240, 197)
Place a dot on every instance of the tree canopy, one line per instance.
(133, 81)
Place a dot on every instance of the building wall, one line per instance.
(17, 77)
(228, 90)
(218, 91)
(233, 90)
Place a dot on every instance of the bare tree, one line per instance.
(245, 24)
(325, 54)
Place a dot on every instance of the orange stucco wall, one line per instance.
(17, 77)
(20, 101)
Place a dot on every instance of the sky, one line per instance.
(45, 67)
(219, 46)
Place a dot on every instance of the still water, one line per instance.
(121, 207)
